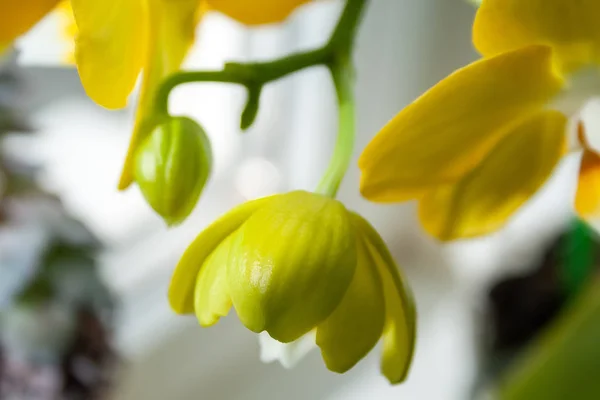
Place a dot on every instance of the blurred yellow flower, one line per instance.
(297, 264)
(480, 143)
(17, 17)
(115, 40)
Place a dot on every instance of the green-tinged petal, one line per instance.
(172, 26)
(110, 47)
(448, 130)
(399, 333)
(211, 295)
(17, 17)
(181, 290)
(355, 326)
(291, 264)
(256, 12)
(484, 200)
(569, 26)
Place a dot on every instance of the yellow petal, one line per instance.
(484, 200)
(172, 26)
(110, 47)
(448, 130)
(399, 333)
(211, 295)
(68, 29)
(258, 11)
(587, 200)
(569, 26)
(355, 326)
(17, 17)
(181, 290)
(291, 264)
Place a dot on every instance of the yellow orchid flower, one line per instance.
(17, 17)
(480, 143)
(156, 43)
(300, 264)
(117, 39)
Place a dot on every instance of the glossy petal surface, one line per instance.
(355, 326)
(486, 198)
(399, 332)
(291, 264)
(450, 129)
(569, 26)
(110, 47)
(183, 281)
(211, 295)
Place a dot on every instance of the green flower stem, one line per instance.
(252, 75)
(342, 38)
(343, 80)
(336, 55)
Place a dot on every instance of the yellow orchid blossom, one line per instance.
(17, 17)
(300, 264)
(115, 40)
(480, 143)
(149, 35)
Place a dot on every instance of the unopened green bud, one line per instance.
(171, 167)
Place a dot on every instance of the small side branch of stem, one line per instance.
(254, 75)
(336, 55)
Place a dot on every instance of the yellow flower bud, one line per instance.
(291, 263)
(171, 167)
(300, 263)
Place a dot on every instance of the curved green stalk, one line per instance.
(336, 54)
(252, 75)
(342, 154)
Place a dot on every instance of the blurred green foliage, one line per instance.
(564, 364)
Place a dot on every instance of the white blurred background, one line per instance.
(404, 47)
